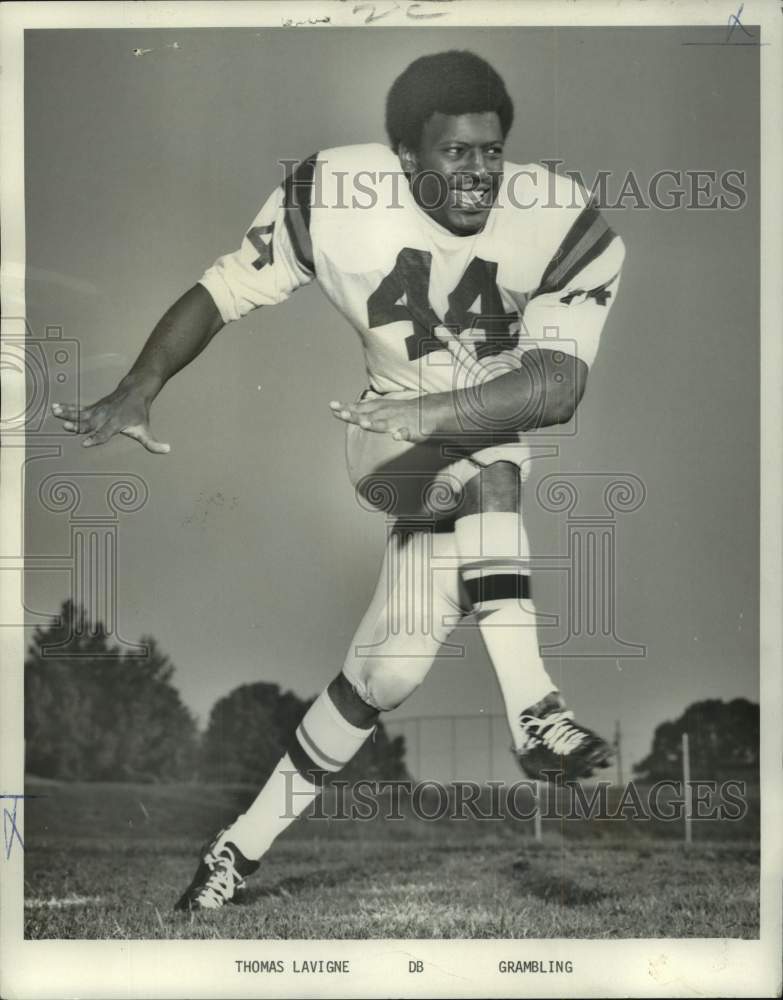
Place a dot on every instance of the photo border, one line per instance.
(642, 967)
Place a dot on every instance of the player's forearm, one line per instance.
(542, 392)
(178, 338)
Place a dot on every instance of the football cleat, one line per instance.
(553, 746)
(219, 878)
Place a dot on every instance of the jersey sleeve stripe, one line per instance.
(586, 239)
(298, 192)
(582, 260)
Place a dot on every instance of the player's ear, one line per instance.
(408, 159)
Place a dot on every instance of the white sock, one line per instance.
(325, 742)
(285, 796)
(494, 559)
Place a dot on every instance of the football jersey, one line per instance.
(435, 311)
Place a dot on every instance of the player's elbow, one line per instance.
(563, 410)
(567, 392)
(554, 382)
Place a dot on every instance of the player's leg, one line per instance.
(494, 556)
(390, 655)
(494, 560)
(333, 729)
(412, 612)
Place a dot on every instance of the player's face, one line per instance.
(457, 169)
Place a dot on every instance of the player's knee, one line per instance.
(495, 488)
(500, 482)
(389, 692)
(384, 686)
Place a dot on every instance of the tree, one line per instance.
(381, 758)
(94, 713)
(250, 729)
(723, 739)
(247, 733)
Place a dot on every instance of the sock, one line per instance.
(285, 795)
(494, 560)
(323, 743)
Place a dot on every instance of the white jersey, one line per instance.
(434, 311)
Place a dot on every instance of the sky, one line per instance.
(250, 559)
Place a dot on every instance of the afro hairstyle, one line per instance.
(453, 83)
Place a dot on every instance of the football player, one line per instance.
(478, 289)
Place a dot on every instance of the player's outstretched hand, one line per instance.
(124, 411)
(404, 419)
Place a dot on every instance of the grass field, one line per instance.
(108, 861)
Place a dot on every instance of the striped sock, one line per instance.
(324, 742)
(494, 560)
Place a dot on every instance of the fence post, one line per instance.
(537, 831)
(618, 744)
(491, 729)
(686, 783)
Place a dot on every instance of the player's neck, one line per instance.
(438, 227)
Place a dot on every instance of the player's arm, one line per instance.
(180, 336)
(543, 390)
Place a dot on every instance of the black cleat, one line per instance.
(554, 746)
(219, 878)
